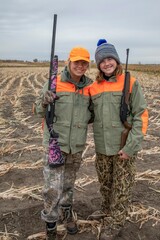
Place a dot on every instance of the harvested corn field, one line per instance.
(21, 154)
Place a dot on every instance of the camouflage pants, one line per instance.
(116, 178)
(59, 186)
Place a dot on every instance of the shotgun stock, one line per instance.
(125, 133)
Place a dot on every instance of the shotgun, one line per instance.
(55, 157)
(124, 104)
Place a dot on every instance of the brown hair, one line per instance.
(118, 71)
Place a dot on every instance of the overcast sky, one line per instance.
(26, 28)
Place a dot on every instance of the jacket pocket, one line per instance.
(63, 97)
(116, 97)
(96, 99)
(117, 128)
(63, 130)
(81, 134)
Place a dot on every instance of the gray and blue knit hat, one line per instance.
(105, 50)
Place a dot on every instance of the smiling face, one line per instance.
(78, 68)
(108, 66)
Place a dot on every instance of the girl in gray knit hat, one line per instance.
(115, 164)
(106, 52)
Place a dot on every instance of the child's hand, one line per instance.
(123, 155)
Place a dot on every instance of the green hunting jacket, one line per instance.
(72, 111)
(107, 127)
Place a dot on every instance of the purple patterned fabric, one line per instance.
(55, 157)
(54, 73)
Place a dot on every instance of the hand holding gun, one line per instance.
(49, 97)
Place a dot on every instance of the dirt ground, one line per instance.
(21, 155)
